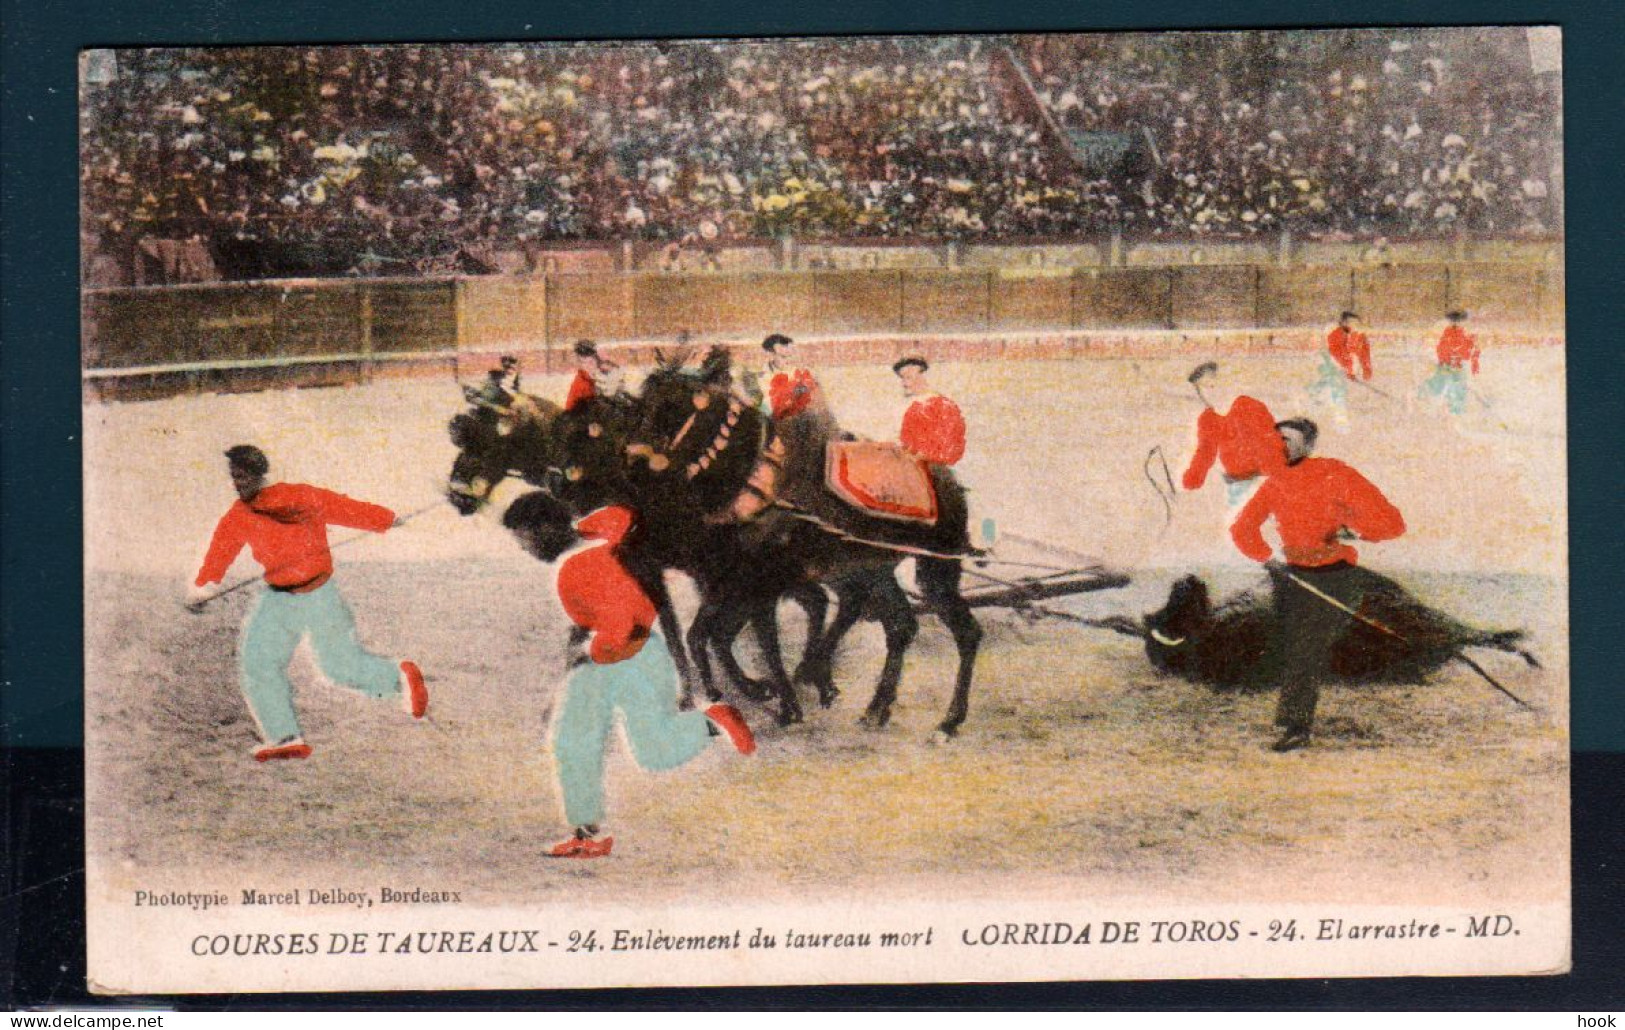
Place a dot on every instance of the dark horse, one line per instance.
(720, 499)
(514, 434)
(1227, 647)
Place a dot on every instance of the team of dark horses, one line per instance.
(738, 504)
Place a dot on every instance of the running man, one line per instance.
(624, 667)
(284, 525)
(1456, 352)
(1243, 439)
(1347, 357)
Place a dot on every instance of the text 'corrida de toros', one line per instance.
(1159, 931)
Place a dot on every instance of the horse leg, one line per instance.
(817, 664)
(815, 603)
(653, 582)
(939, 582)
(901, 625)
(765, 620)
(699, 636)
(730, 622)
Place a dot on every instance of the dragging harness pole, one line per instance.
(250, 581)
(1374, 624)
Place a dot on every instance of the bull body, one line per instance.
(1229, 646)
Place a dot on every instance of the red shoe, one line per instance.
(729, 721)
(414, 695)
(583, 847)
(293, 747)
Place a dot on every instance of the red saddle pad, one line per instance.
(882, 479)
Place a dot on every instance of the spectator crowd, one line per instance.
(382, 160)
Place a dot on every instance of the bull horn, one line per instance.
(1164, 639)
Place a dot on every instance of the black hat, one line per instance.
(1345, 316)
(912, 359)
(774, 342)
(249, 458)
(1456, 316)
(1206, 368)
(1310, 431)
(586, 349)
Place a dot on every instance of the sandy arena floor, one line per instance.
(1079, 769)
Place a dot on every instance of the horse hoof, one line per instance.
(789, 718)
(941, 736)
(874, 720)
(827, 698)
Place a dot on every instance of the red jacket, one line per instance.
(934, 429)
(1347, 347)
(285, 528)
(598, 593)
(1311, 502)
(1456, 347)
(582, 388)
(791, 392)
(1244, 441)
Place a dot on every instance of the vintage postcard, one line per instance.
(873, 510)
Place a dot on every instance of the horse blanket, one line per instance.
(882, 479)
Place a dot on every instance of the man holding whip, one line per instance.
(284, 525)
(1242, 439)
(1319, 504)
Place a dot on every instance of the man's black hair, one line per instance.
(249, 458)
(1345, 316)
(1457, 315)
(774, 342)
(586, 349)
(1206, 368)
(543, 524)
(1310, 431)
(912, 359)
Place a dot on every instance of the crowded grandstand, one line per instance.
(401, 160)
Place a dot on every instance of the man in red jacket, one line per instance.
(1318, 505)
(933, 427)
(1243, 439)
(1348, 346)
(626, 668)
(284, 526)
(1456, 352)
(1346, 359)
(584, 386)
(791, 389)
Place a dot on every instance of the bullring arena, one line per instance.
(322, 250)
(1079, 771)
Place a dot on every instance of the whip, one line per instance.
(1374, 624)
(251, 580)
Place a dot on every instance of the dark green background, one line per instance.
(41, 664)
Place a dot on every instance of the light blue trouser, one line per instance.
(644, 688)
(1333, 384)
(1451, 384)
(1238, 491)
(273, 630)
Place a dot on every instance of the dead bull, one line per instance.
(1391, 637)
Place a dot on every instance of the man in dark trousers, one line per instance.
(284, 525)
(1318, 505)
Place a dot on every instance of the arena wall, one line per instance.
(162, 340)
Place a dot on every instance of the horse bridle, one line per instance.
(660, 460)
